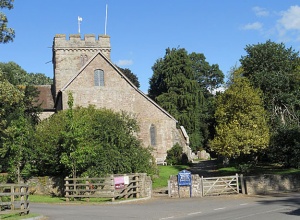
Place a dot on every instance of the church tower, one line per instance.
(70, 55)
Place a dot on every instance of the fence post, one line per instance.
(202, 186)
(137, 186)
(112, 187)
(237, 183)
(88, 187)
(126, 188)
(22, 198)
(67, 189)
(12, 197)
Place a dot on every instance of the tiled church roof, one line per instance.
(45, 97)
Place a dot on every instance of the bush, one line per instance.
(175, 156)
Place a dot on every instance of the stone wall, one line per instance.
(267, 184)
(184, 191)
(46, 186)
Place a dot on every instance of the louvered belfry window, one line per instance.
(99, 77)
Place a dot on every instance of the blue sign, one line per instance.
(184, 178)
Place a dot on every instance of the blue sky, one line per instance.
(141, 30)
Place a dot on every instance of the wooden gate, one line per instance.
(220, 185)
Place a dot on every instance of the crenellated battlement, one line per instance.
(75, 41)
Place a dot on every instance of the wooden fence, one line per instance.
(220, 185)
(105, 187)
(14, 199)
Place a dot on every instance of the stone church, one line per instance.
(83, 67)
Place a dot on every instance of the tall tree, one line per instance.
(275, 70)
(6, 34)
(241, 121)
(174, 87)
(210, 77)
(131, 76)
(16, 129)
(16, 75)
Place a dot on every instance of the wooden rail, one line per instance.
(14, 199)
(102, 187)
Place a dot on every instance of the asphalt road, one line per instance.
(276, 207)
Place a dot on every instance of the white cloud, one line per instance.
(288, 26)
(124, 62)
(253, 26)
(260, 12)
(290, 19)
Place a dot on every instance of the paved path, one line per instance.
(205, 168)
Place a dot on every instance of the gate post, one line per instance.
(67, 189)
(202, 186)
(237, 183)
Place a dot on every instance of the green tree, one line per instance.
(95, 141)
(16, 75)
(210, 77)
(16, 130)
(285, 148)
(174, 87)
(241, 121)
(274, 69)
(131, 76)
(6, 34)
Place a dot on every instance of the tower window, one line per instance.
(99, 77)
(153, 135)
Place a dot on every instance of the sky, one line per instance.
(142, 30)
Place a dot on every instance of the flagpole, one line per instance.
(79, 20)
(105, 20)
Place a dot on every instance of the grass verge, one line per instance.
(164, 174)
(18, 216)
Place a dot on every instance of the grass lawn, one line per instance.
(260, 169)
(164, 175)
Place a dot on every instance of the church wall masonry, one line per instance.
(75, 61)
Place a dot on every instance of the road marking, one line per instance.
(166, 218)
(219, 208)
(244, 204)
(194, 213)
(260, 213)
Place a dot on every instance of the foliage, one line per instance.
(16, 129)
(241, 121)
(131, 76)
(285, 146)
(175, 156)
(275, 70)
(210, 77)
(99, 141)
(174, 87)
(6, 34)
(18, 76)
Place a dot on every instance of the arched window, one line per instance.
(99, 77)
(152, 135)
